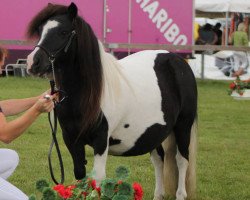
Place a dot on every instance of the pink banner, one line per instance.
(126, 21)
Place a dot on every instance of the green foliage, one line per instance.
(49, 194)
(125, 189)
(120, 197)
(32, 197)
(41, 185)
(93, 196)
(122, 173)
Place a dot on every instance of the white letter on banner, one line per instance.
(160, 17)
(181, 40)
(166, 25)
(151, 9)
(144, 3)
(172, 32)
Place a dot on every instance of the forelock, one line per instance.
(44, 15)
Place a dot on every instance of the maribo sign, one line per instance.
(114, 21)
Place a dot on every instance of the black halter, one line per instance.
(52, 56)
(53, 126)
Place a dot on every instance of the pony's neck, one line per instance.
(67, 80)
(112, 75)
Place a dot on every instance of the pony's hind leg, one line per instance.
(182, 164)
(157, 158)
(182, 132)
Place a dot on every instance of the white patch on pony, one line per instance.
(30, 60)
(99, 168)
(159, 185)
(182, 164)
(49, 25)
(139, 102)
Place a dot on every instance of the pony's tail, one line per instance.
(170, 165)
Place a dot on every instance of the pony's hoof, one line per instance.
(181, 195)
(161, 197)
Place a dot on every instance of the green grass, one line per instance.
(223, 162)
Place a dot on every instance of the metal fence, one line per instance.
(204, 49)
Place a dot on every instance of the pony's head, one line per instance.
(55, 28)
(68, 43)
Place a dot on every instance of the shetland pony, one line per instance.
(144, 103)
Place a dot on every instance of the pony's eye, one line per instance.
(64, 33)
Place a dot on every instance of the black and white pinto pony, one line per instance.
(144, 103)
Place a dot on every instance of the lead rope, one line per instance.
(54, 127)
(54, 139)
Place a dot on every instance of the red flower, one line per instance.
(67, 193)
(93, 184)
(63, 191)
(85, 194)
(138, 194)
(98, 189)
(71, 187)
(232, 85)
(58, 187)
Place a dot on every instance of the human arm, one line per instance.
(13, 129)
(16, 106)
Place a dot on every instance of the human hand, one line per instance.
(44, 93)
(45, 103)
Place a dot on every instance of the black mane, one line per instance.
(88, 61)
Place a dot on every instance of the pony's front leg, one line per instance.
(99, 140)
(77, 151)
(99, 167)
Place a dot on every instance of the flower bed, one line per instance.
(86, 189)
(239, 89)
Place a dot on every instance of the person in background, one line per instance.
(239, 38)
(218, 32)
(207, 35)
(9, 131)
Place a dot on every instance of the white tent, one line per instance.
(242, 6)
(223, 6)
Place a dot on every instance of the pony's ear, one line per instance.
(72, 10)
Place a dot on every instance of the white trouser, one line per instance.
(8, 161)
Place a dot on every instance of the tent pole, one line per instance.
(226, 37)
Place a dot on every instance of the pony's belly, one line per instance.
(125, 140)
(137, 131)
